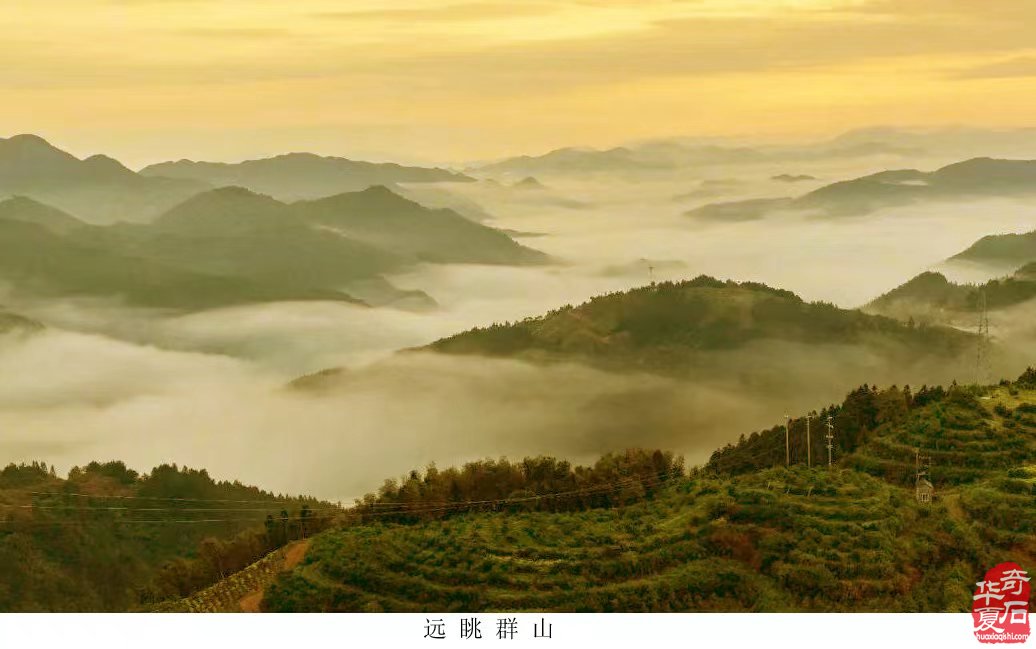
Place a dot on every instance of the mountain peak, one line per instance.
(226, 207)
(29, 146)
(29, 139)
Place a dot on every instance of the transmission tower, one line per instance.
(830, 438)
(922, 477)
(982, 363)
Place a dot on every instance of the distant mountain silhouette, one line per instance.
(792, 178)
(295, 176)
(572, 159)
(529, 182)
(232, 246)
(747, 210)
(382, 218)
(671, 154)
(98, 189)
(973, 179)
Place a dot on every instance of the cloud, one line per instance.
(1023, 66)
(262, 33)
(462, 12)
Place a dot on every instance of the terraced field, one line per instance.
(966, 439)
(776, 540)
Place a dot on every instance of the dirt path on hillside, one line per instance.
(293, 555)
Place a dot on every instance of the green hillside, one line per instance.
(743, 533)
(109, 539)
(670, 326)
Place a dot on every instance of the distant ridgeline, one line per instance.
(109, 539)
(102, 190)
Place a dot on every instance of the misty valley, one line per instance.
(674, 375)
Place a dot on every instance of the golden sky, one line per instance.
(443, 80)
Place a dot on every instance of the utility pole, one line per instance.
(809, 446)
(830, 438)
(787, 440)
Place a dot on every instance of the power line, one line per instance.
(402, 508)
(300, 500)
(160, 509)
(166, 520)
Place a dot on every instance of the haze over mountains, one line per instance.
(295, 176)
(232, 246)
(245, 292)
(101, 190)
(662, 155)
(975, 179)
(756, 341)
(98, 188)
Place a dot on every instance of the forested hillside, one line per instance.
(109, 539)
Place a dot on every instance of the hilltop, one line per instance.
(669, 326)
(743, 533)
